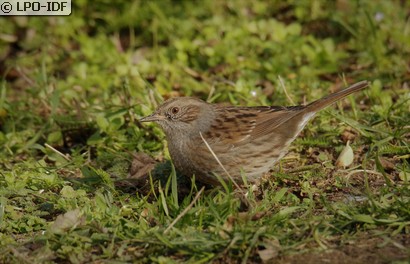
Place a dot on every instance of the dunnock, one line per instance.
(207, 139)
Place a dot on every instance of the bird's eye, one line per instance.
(174, 110)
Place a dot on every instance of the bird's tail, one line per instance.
(331, 98)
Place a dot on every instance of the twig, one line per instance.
(220, 163)
(365, 171)
(25, 77)
(185, 210)
(58, 152)
(284, 89)
(152, 98)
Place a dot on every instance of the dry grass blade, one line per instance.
(284, 89)
(220, 164)
(58, 152)
(185, 210)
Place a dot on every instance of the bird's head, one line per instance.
(182, 116)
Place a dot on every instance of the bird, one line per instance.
(216, 141)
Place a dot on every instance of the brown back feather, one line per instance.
(246, 123)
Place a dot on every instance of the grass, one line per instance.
(73, 88)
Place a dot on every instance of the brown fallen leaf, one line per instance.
(141, 166)
(348, 135)
(387, 164)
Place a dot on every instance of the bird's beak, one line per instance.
(152, 118)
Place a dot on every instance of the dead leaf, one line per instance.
(271, 251)
(346, 157)
(387, 164)
(67, 221)
(348, 135)
(141, 166)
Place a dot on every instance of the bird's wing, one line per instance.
(235, 126)
(273, 117)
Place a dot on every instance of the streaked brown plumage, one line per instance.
(247, 140)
